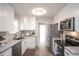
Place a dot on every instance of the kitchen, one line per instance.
(20, 29)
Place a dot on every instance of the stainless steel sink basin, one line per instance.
(18, 38)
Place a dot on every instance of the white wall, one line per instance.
(70, 10)
(45, 20)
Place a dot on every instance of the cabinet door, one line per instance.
(7, 52)
(7, 18)
(31, 43)
(24, 45)
(76, 24)
(59, 26)
(33, 23)
(0, 15)
(28, 23)
(11, 18)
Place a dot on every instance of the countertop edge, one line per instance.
(12, 43)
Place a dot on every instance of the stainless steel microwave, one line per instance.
(67, 24)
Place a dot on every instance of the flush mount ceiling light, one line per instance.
(38, 11)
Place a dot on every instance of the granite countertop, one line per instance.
(11, 43)
(74, 50)
(8, 45)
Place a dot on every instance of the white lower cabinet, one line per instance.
(24, 45)
(31, 42)
(7, 52)
(28, 43)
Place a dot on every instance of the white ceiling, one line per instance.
(25, 9)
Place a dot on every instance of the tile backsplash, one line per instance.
(72, 33)
(3, 33)
(6, 35)
(11, 36)
(27, 31)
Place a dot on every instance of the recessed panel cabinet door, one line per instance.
(11, 19)
(0, 15)
(7, 17)
(31, 43)
(76, 24)
(29, 23)
(24, 45)
(7, 52)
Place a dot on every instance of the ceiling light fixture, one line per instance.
(39, 11)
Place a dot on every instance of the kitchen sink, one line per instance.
(18, 38)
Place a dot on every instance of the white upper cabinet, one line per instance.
(28, 23)
(7, 17)
(59, 26)
(76, 24)
(0, 15)
(30, 42)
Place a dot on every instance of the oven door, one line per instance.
(60, 51)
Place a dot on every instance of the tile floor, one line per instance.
(41, 51)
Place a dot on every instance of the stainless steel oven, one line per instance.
(71, 41)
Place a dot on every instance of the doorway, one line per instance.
(42, 35)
